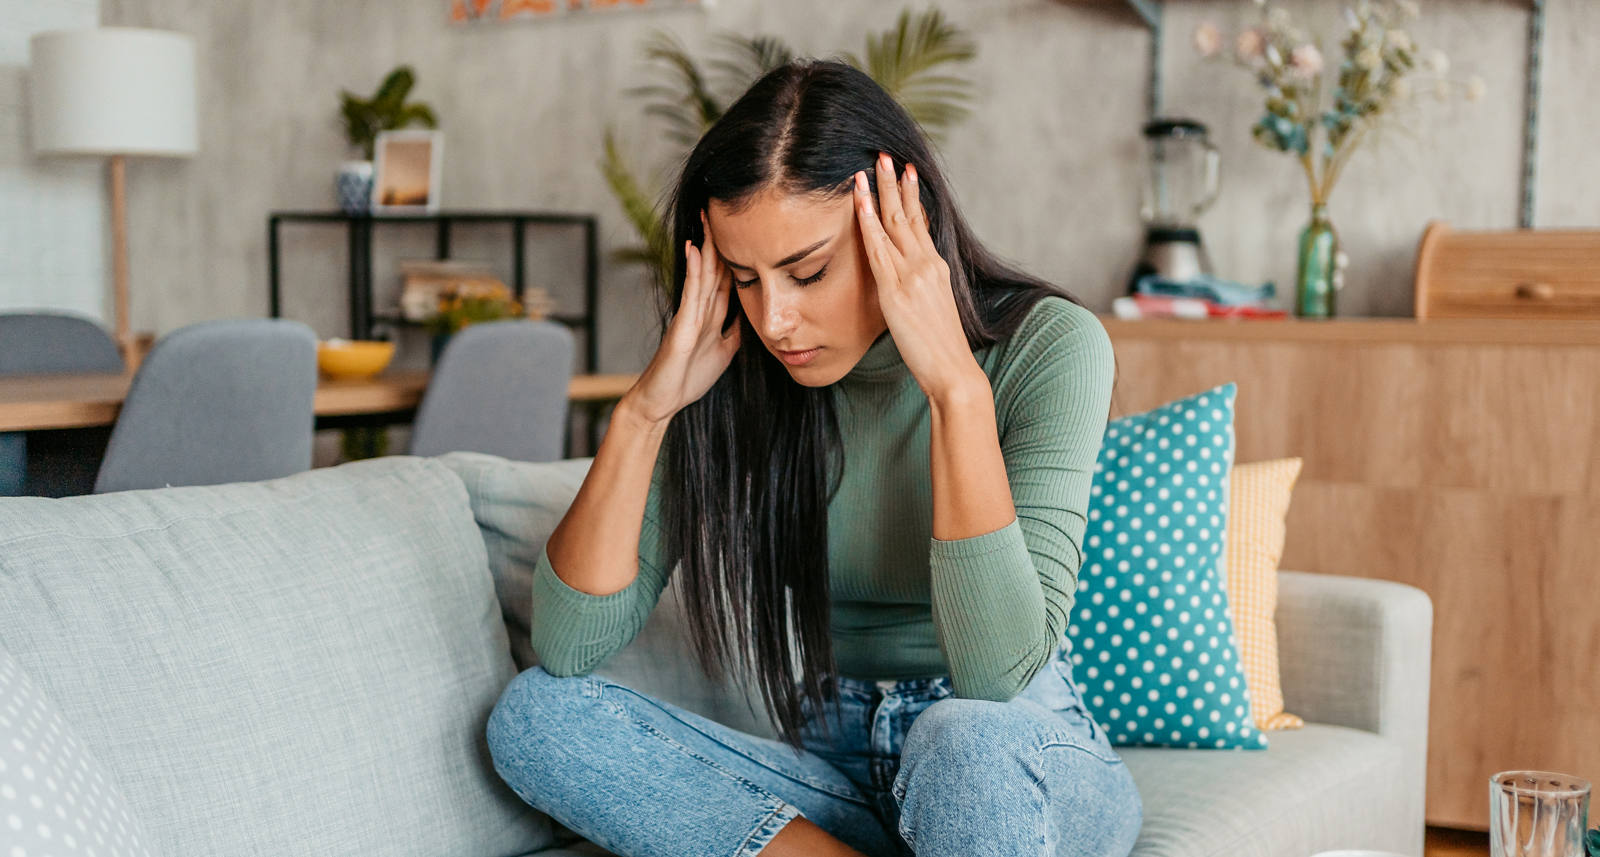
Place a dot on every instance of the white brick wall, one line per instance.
(53, 227)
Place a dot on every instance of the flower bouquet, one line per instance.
(1321, 115)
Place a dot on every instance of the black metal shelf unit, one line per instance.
(359, 229)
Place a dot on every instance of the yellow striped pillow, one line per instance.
(1258, 503)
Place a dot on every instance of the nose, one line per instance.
(780, 314)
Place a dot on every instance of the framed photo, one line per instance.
(406, 167)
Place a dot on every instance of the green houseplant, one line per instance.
(364, 119)
(911, 60)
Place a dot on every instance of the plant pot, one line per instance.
(353, 187)
(1318, 274)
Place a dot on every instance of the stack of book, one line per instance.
(1201, 298)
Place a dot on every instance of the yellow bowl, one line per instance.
(353, 359)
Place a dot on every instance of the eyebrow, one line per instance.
(787, 260)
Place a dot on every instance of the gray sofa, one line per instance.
(305, 665)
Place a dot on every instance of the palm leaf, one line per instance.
(745, 59)
(639, 209)
(904, 59)
(687, 91)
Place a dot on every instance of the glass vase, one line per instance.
(1317, 275)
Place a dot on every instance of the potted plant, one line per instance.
(363, 119)
(459, 308)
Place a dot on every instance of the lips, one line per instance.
(799, 358)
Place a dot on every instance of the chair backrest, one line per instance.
(47, 343)
(216, 402)
(500, 388)
(37, 343)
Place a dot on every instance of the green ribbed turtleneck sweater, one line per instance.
(988, 610)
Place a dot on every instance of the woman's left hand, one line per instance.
(914, 290)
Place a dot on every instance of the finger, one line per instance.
(894, 215)
(711, 264)
(691, 298)
(881, 255)
(912, 199)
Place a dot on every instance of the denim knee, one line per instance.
(531, 712)
(957, 740)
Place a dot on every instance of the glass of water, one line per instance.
(1537, 814)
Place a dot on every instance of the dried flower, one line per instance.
(1400, 89)
(1248, 46)
(1409, 9)
(1399, 39)
(1441, 89)
(1306, 61)
(1207, 39)
(1437, 62)
(1476, 88)
(1368, 59)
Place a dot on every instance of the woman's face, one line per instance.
(800, 272)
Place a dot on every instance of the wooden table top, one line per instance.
(32, 402)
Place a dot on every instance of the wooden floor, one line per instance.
(1444, 842)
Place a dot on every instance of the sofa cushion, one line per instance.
(285, 667)
(55, 797)
(1151, 637)
(1300, 797)
(518, 504)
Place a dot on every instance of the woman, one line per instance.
(869, 444)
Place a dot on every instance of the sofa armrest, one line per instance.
(1358, 652)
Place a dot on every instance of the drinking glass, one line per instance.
(1537, 814)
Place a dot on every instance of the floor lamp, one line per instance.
(114, 92)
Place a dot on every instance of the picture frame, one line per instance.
(406, 168)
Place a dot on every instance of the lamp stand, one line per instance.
(119, 252)
(133, 348)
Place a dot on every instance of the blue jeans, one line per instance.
(905, 768)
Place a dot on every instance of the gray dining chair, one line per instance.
(499, 388)
(216, 402)
(46, 343)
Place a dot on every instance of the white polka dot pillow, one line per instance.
(1151, 637)
(54, 797)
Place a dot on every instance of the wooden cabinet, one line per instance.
(1462, 457)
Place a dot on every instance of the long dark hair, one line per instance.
(752, 465)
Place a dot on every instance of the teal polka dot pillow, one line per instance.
(1151, 638)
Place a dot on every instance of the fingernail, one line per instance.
(861, 182)
(911, 172)
(883, 159)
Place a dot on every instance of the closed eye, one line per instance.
(804, 281)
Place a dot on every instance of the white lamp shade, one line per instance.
(113, 91)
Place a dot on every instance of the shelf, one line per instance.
(394, 317)
(462, 216)
(1373, 330)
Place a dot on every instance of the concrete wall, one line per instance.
(52, 212)
(1046, 169)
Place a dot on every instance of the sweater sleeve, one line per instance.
(1001, 599)
(572, 631)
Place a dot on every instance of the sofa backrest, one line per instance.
(302, 665)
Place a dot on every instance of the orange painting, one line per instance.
(467, 11)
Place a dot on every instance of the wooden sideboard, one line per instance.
(1461, 457)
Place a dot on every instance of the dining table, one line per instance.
(77, 401)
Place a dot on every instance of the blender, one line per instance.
(1180, 182)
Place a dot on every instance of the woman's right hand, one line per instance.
(694, 352)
